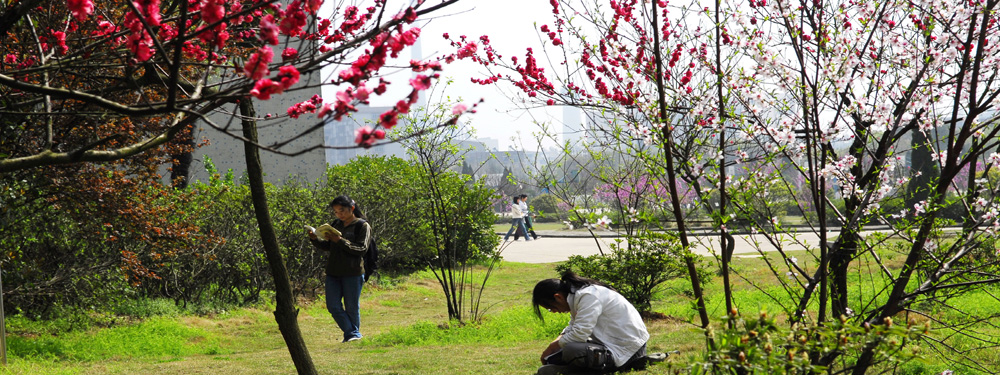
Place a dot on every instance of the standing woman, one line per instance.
(345, 265)
(605, 332)
(517, 221)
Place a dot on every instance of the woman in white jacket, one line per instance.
(605, 332)
(517, 220)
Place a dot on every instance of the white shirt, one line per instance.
(524, 207)
(605, 315)
(515, 211)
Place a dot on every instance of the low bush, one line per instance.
(636, 269)
(761, 346)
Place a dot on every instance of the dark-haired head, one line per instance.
(346, 202)
(543, 297)
(524, 196)
(516, 199)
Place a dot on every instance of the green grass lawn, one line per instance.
(405, 328)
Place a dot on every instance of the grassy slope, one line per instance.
(247, 341)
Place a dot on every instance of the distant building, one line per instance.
(339, 136)
(573, 126)
(227, 152)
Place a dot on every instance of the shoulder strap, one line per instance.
(359, 225)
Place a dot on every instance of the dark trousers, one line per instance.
(528, 227)
(585, 358)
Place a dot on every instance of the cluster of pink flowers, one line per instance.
(275, 19)
(287, 76)
(60, 39)
(308, 106)
(212, 11)
(139, 41)
(268, 29)
(80, 9)
(366, 137)
(294, 20)
(289, 54)
(257, 66)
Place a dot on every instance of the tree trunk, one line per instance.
(180, 172)
(285, 312)
(918, 189)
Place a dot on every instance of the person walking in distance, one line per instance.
(345, 264)
(517, 220)
(527, 218)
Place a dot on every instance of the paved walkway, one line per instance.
(556, 246)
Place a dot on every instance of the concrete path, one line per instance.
(557, 246)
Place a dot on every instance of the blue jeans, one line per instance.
(348, 314)
(514, 224)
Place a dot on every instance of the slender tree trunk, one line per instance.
(675, 198)
(180, 172)
(846, 245)
(724, 237)
(285, 312)
(918, 189)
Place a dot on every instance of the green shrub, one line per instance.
(547, 208)
(392, 194)
(147, 307)
(760, 346)
(635, 268)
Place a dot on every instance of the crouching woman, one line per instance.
(605, 332)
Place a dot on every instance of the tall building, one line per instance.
(302, 156)
(339, 137)
(573, 126)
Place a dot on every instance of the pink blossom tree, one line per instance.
(824, 92)
(181, 61)
(98, 82)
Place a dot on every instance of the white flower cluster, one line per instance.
(603, 222)
(633, 215)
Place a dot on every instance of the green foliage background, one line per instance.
(59, 261)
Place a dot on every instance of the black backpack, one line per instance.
(371, 256)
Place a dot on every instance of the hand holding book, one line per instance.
(324, 232)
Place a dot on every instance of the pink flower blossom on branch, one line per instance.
(421, 82)
(325, 111)
(467, 51)
(256, 67)
(295, 19)
(389, 119)
(264, 88)
(403, 106)
(212, 11)
(418, 66)
(308, 106)
(363, 137)
(289, 54)
(268, 30)
(139, 41)
(313, 5)
(80, 8)
(288, 76)
(60, 39)
(362, 93)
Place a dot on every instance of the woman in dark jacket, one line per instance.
(345, 265)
